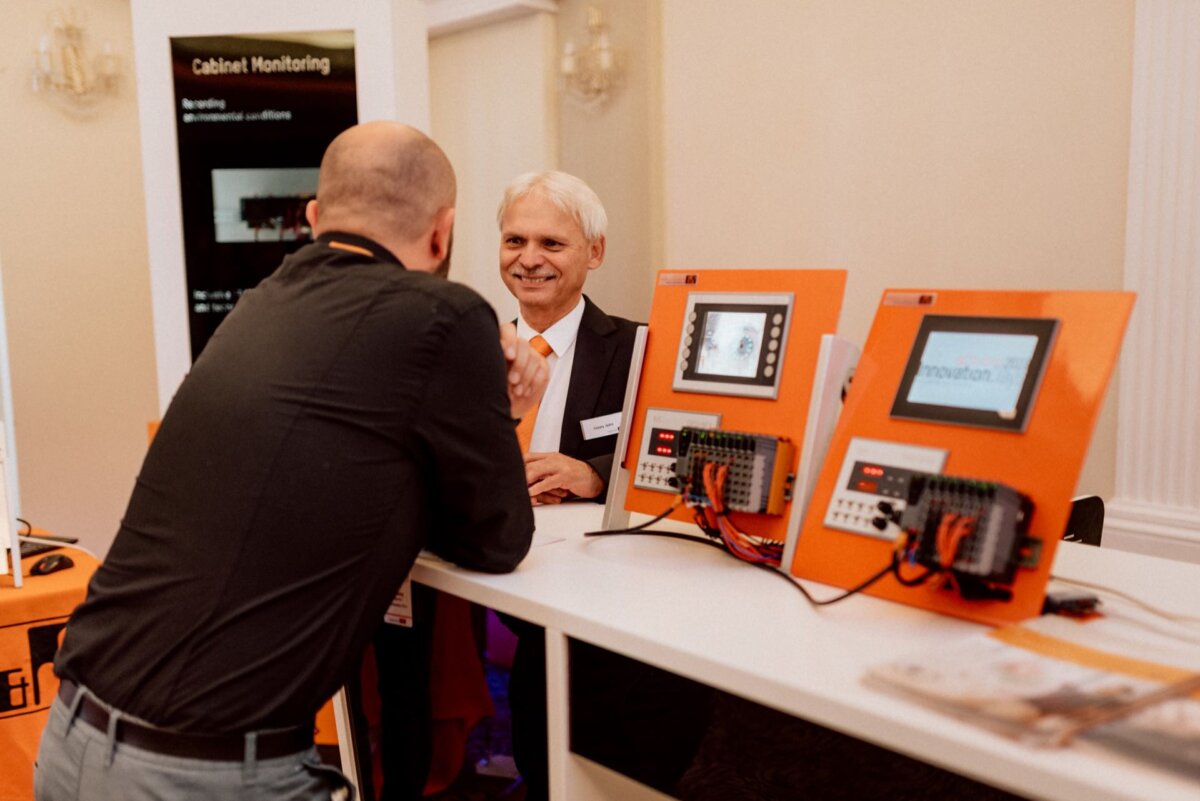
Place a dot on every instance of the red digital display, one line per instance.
(663, 442)
(872, 470)
(866, 486)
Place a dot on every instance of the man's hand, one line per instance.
(549, 498)
(527, 371)
(553, 477)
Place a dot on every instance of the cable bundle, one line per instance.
(714, 519)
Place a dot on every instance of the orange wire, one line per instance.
(952, 530)
(941, 540)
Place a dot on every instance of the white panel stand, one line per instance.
(8, 532)
(10, 505)
(835, 364)
(615, 513)
(557, 712)
(347, 750)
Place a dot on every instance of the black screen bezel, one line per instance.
(1043, 328)
(760, 378)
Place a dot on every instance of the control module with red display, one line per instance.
(874, 470)
(880, 479)
(659, 452)
(975, 530)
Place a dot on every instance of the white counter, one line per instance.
(699, 613)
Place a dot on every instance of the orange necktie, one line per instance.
(525, 427)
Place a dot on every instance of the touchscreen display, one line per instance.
(732, 343)
(973, 371)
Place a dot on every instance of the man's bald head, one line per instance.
(384, 180)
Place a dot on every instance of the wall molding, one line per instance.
(1153, 530)
(1157, 499)
(451, 16)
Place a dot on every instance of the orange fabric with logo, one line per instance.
(32, 619)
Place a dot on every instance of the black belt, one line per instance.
(218, 747)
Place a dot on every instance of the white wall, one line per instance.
(77, 294)
(1157, 503)
(617, 150)
(925, 143)
(493, 107)
(498, 112)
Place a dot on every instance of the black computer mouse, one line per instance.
(51, 563)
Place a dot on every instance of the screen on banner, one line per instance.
(978, 371)
(253, 116)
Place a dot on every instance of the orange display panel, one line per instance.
(733, 314)
(1081, 333)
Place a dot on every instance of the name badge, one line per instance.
(603, 426)
(400, 612)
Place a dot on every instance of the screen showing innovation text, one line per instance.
(973, 371)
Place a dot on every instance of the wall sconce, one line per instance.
(63, 70)
(592, 74)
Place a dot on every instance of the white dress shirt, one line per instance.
(547, 429)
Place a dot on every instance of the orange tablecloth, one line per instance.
(31, 623)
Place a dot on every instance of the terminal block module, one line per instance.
(760, 475)
(975, 528)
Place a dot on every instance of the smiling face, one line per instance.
(545, 258)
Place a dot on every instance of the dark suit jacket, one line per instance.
(603, 350)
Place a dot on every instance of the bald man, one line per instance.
(352, 409)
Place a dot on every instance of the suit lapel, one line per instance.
(594, 350)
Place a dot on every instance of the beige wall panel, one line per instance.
(492, 105)
(615, 148)
(76, 286)
(927, 143)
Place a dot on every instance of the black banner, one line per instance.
(253, 116)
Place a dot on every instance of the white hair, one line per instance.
(567, 192)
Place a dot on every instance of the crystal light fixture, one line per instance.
(65, 73)
(591, 74)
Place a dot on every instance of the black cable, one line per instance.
(28, 526)
(640, 526)
(916, 581)
(852, 591)
(771, 568)
(674, 535)
(701, 521)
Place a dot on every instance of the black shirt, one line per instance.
(346, 414)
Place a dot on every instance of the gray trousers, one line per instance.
(78, 762)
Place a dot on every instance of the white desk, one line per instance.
(694, 611)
